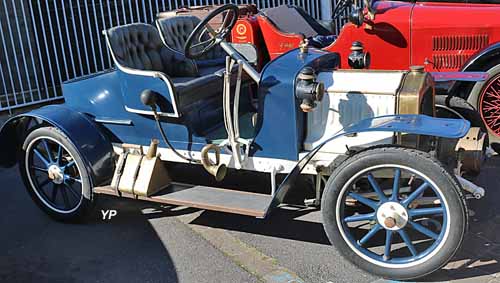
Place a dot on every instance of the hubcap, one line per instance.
(392, 216)
(56, 174)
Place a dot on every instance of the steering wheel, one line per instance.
(340, 8)
(204, 37)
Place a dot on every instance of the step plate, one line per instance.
(209, 198)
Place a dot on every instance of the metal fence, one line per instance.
(46, 42)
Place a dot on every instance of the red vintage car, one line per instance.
(440, 35)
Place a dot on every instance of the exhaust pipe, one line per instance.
(472, 188)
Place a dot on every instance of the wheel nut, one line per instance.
(390, 222)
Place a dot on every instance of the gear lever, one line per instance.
(150, 98)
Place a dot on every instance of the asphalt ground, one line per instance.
(146, 242)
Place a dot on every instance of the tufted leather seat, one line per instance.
(175, 31)
(138, 46)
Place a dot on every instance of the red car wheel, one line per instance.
(489, 105)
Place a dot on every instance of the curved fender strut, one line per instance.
(412, 124)
(94, 147)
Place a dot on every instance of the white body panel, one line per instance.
(352, 96)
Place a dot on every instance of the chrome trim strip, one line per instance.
(152, 74)
(113, 121)
(149, 113)
(460, 76)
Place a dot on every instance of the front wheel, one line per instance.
(55, 174)
(395, 212)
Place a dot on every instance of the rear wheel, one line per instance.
(485, 96)
(55, 175)
(394, 212)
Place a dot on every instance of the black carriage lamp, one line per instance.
(308, 89)
(358, 58)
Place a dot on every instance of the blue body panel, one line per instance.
(93, 145)
(411, 124)
(105, 95)
(133, 85)
(99, 96)
(281, 126)
(279, 131)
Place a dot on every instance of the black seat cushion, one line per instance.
(138, 46)
(190, 90)
(209, 84)
(292, 19)
(175, 31)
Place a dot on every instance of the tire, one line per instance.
(340, 202)
(58, 183)
(476, 97)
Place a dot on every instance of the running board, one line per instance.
(209, 198)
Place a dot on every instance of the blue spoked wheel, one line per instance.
(55, 175)
(395, 212)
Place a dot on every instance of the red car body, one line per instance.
(441, 36)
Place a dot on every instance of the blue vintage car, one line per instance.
(367, 140)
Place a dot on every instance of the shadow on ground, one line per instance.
(477, 260)
(130, 248)
(35, 248)
(479, 256)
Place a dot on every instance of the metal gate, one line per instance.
(46, 42)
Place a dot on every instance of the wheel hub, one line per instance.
(56, 174)
(392, 216)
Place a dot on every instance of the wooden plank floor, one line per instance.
(203, 197)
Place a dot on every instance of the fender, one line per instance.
(412, 124)
(94, 147)
(485, 57)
